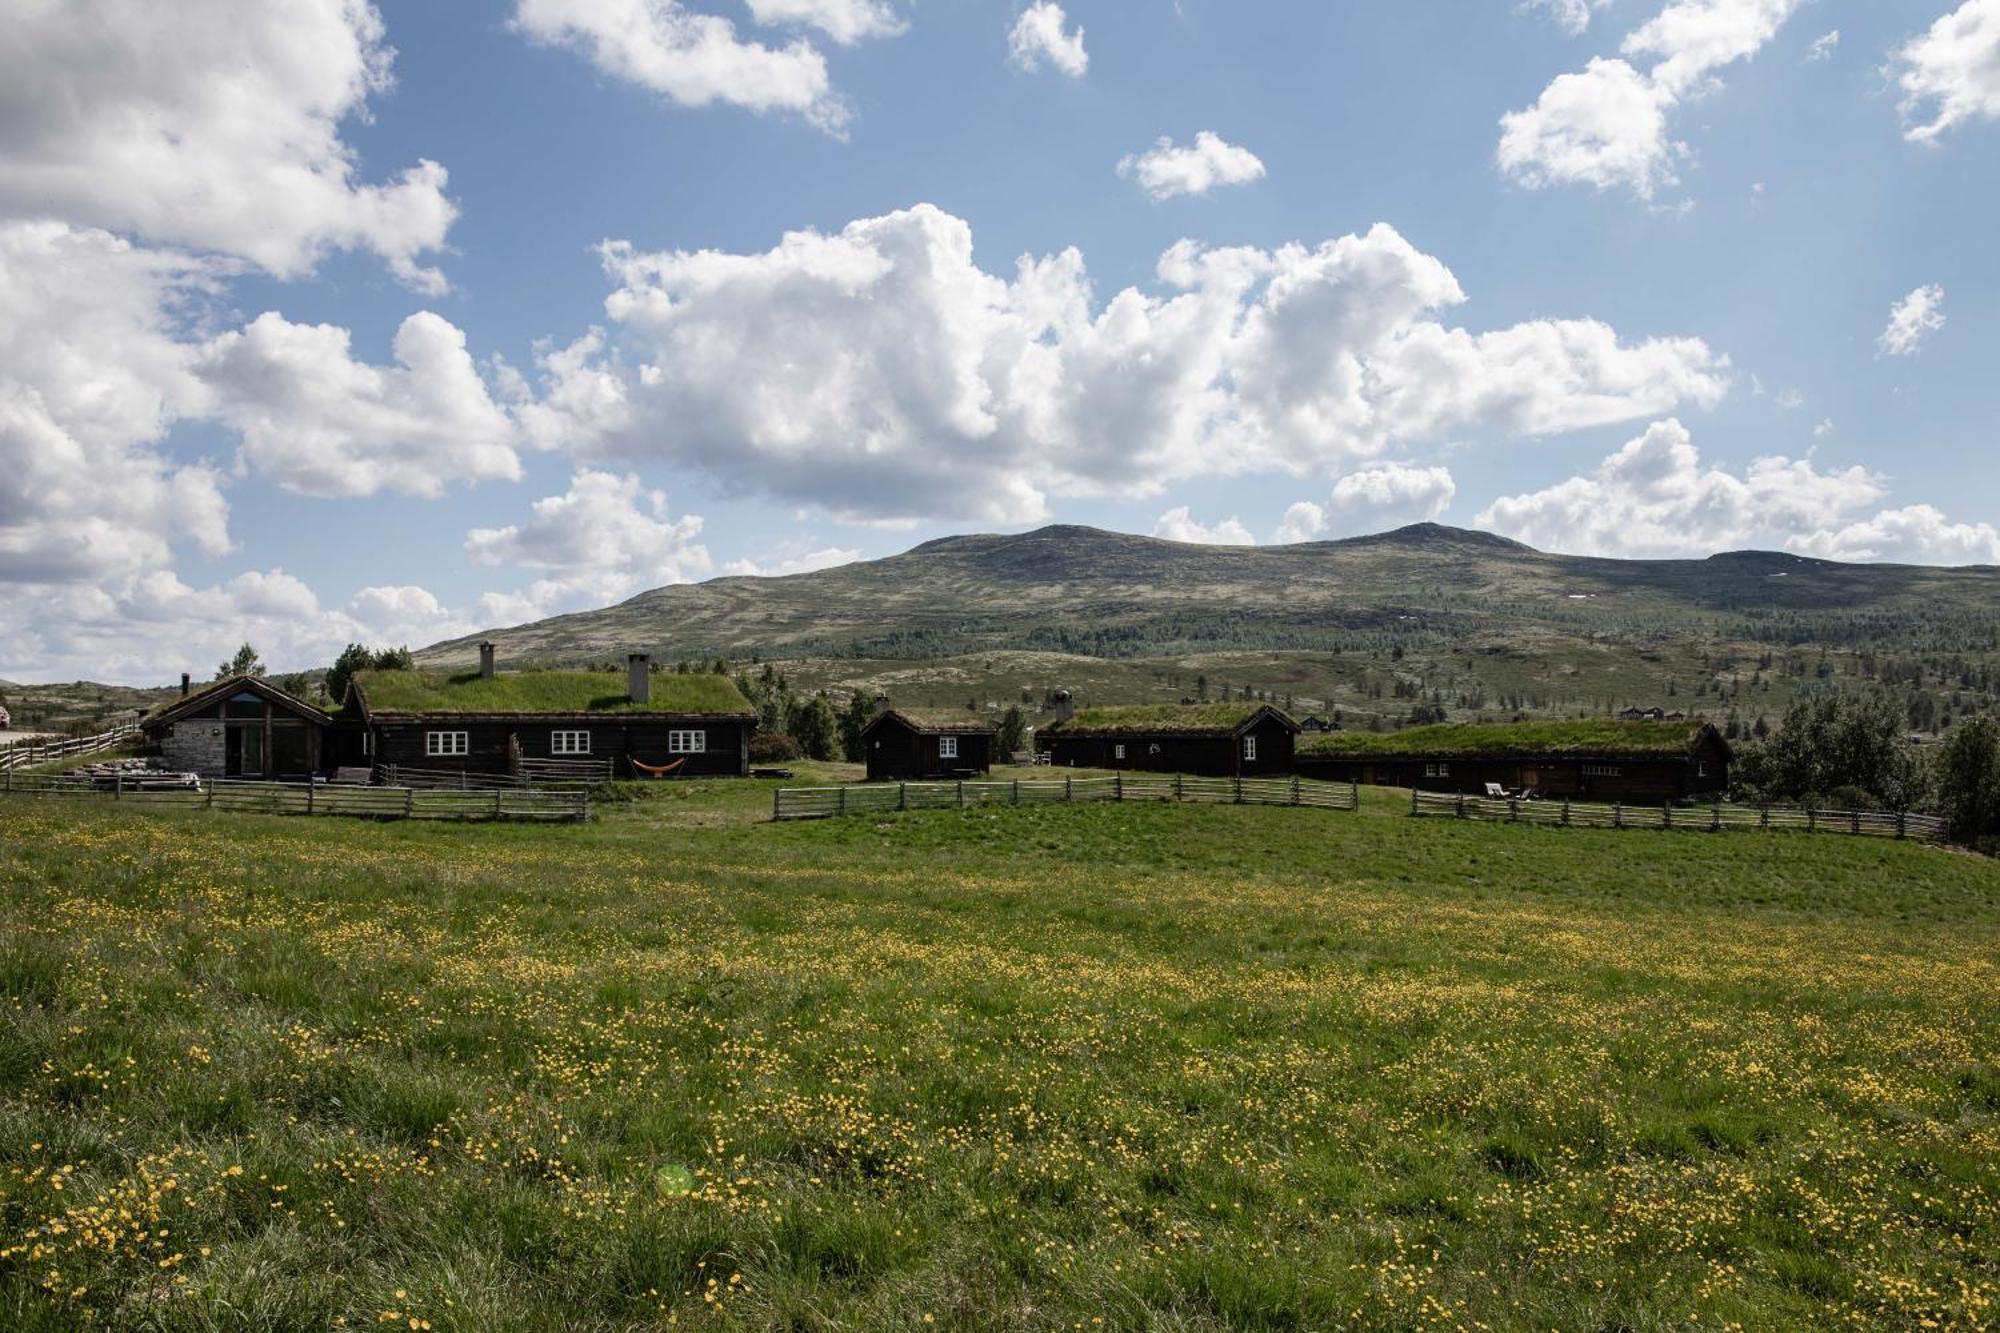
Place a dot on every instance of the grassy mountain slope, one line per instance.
(1112, 594)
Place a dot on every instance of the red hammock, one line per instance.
(661, 771)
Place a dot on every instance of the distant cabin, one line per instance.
(1599, 760)
(1211, 740)
(1315, 723)
(904, 746)
(240, 727)
(634, 725)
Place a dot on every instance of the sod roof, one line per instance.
(951, 724)
(1215, 719)
(1481, 740)
(537, 693)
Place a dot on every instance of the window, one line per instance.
(1117, 752)
(569, 742)
(947, 747)
(1437, 770)
(438, 743)
(1602, 771)
(687, 742)
(1249, 747)
(1701, 768)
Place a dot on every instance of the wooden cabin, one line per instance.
(582, 723)
(241, 727)
(1598, 760)
(904, 746)
(1209, 740)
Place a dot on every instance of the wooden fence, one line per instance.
(288, 798)
(882, 797)
(47, 752)
(1706, 818)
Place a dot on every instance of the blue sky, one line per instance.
(1633, 277)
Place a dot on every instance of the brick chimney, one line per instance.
(187, 683)
(1065, 706)
(639, 677)
(486, 659)
(881, 704)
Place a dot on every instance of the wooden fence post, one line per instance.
(777, 804)
(1413, 800)
(1717, 828)
(1513, 809)
(1353, 795)
(1812, 820)
(1461, 805)
(409, 802)
(1069, 789)
(1297, 794)
(1764, 817)
(1017, 791)
(961, 796)
(1565, 823)
(1239, 789)
(1902, 824)
(1666, 814)
(1617, 814)
(1855, 816)
(496, 803)
(1117, 786)
(843, 800)
(902, 796)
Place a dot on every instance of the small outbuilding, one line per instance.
(1209, 740)
(907, 746)
(240, 727)
(1591, 760)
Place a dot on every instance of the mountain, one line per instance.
(1085, 591)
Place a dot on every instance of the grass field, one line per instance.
(1103, 1067)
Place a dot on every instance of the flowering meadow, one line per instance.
(1126, 1067)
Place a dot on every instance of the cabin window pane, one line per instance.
(1602, 771)
(569, 742)
(1249, 747)
(947, 747)
(445, 744)
(687, 742)
(1117, 752)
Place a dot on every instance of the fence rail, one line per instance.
(446, 779)
(46, 752)
(287, 798)
(883, 797)
(1712, 819)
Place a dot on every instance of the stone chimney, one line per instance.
(1065, 706)
(486, 659)
(187, 683)
(881, 704)
(639, 677)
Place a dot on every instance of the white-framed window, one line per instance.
(1117, 752)
(447, 743)
(569, 742)
(687, 742)
(1437, 770)
(947, 747)
(1602, 771)
(1249, 747)
(1701, 768)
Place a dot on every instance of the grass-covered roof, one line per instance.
(1495, 740)
(1212, 719)
(545, 692)
(963, 724)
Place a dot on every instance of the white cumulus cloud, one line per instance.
(878, 373)
(1607, 125)
(1823, 47)
(1167, 169)
(843, 21)
(604, 539)
(210, 125)
(1180, 525)
(1387, 495)
(1916, 535)
(1951, 73)
(1041, 36)
(1912, 320)
(690, 58)
(1656, 497)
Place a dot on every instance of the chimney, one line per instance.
(187, 683)
(1065, 706)
(881, 704)
(486, 659)
(639, 677)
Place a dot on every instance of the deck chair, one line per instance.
(1496, 792)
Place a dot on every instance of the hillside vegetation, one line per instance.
(1381, 628)
(1160, 1067)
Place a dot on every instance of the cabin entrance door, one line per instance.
(1531, 777)
(243, 755)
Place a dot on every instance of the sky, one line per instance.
(335, 322)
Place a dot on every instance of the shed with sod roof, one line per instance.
(640, 724)
(240, 727)
(902, 745)
(1597, 760)
(1211, 740)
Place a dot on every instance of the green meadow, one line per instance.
(1105, 1067)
